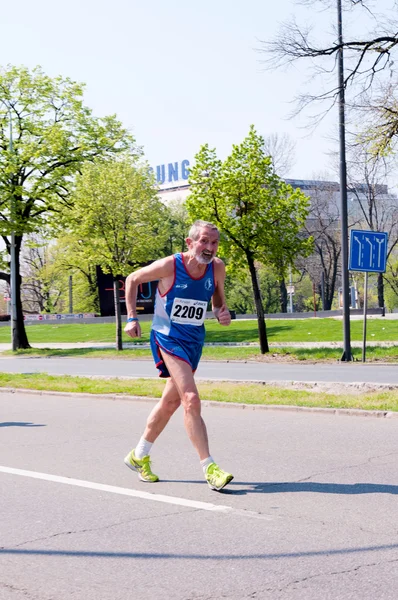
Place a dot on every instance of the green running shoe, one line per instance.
(217, 478)
(142, 465)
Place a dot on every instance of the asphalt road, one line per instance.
(311, 514)
(239, 371)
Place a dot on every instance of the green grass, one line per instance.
(229, 353)
(279, 330)
(220, 392)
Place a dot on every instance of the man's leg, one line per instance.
(183, 379)
(161, 413)
(182, 376)
(138, 459)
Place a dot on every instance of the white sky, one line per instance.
(178, 73)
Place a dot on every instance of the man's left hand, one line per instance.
(223, 315)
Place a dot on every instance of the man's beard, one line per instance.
(203, 260)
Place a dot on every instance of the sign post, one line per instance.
(368, 253)
(365, 308)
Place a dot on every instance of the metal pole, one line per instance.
(347, 356)
(365, 308)
(70, 295)
(13, 278)
(291, 290)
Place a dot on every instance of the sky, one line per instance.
(177, 73)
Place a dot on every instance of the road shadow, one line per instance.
(242, 488)
(21, 424)
(204, 557)
(312, 487)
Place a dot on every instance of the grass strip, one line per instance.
(278, 330)
(229, 353)
(216, 391)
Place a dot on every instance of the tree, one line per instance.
(372, 207)
(259, 215)
(178, 225)
(239, 291)
(70, 260)
(43, 284)
(323, 225)
(53, 135)
(369, 58)
(119, 220)
(281, 148)
(391, 276)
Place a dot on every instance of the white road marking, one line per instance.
(118, 490)
(219, 508)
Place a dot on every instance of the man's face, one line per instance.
(205, 247)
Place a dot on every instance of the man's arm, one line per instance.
(156, 271)
(219, 306)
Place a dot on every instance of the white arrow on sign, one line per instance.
(371, 253)
(380, 242)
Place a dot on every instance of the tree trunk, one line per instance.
(380, 289)
(93, 286)
(328, 293)
(262, 331)
(328, 300)
(330, 284)
(283, 295)
(118, 315)
(19, 333)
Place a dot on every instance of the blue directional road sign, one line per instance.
(368, 251)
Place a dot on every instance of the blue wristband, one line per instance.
(130, 319)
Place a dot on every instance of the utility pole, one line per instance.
(347, 356)
(70, 295)
(13, 278)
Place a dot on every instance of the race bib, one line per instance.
(188, 312)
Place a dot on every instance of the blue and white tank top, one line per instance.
(181, 311)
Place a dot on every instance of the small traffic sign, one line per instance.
(368, 251)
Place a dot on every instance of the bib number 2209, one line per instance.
(188, 312)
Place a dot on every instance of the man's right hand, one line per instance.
(133, 329)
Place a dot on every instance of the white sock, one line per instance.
(142, 449)
(206, 462)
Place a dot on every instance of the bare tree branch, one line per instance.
(368, 59)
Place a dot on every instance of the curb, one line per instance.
(348, 412)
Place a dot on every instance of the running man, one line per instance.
(186, 283)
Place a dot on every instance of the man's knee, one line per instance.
(172, 404)
(191, 402)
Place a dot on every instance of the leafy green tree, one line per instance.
(70, 260)
(178, 226)
(239, 291)
(53, 135)
(119, 220)
(260, 216)
(391, 280)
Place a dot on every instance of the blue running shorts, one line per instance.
(184, 350)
